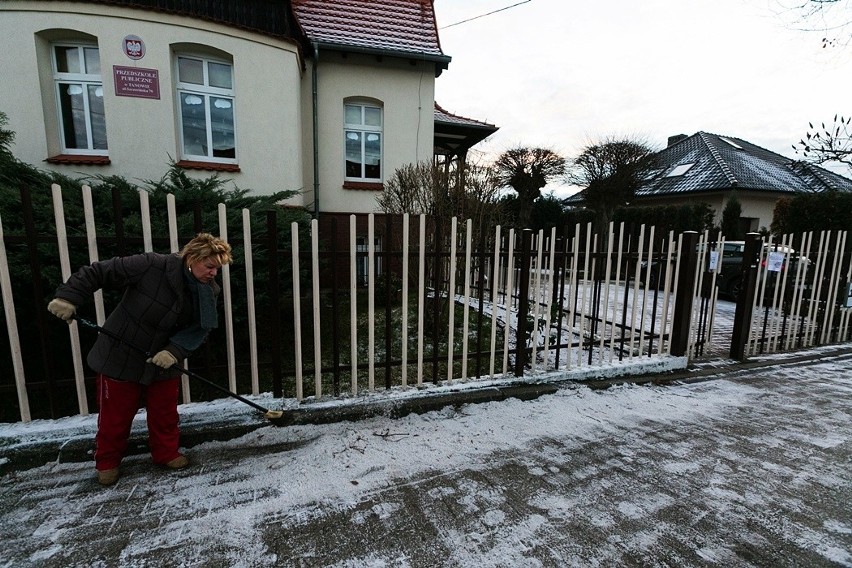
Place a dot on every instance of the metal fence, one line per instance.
(796, 293)
(389, 302)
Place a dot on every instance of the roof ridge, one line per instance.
(819, 173)
(723, 165)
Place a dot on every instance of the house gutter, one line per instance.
(443, 60)
(316, 127)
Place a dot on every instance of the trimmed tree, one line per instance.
(527, 171)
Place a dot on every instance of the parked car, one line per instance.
(729, 268)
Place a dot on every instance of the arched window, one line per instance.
(362, 134)
(205, 91)
(80, 98)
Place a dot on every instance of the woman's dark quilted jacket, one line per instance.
(154, 307)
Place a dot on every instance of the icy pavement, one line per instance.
(753, 468)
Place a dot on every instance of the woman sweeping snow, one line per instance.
(168, 308)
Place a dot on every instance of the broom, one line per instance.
(277, 417)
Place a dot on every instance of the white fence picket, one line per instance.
(65, 264)
(248, 259)
(92, 240)
(316, 308)
(551, 273)
(606, 286)
(145, 211)
(466, 307)
(645, 284)
(421, 295)
(816, 294)
(834, 282)
(371, 302)
(171, 210)
(229, 312)
(667, 292)
(12, 330)
(451, 294)
(353, 305)
(495, 286)
(615, 302)
(507, 297)
(535, 274)
(297, 310)
(404, 322)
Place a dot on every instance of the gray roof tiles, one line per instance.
(442, 115)
(723, 163)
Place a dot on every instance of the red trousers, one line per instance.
(118, 402)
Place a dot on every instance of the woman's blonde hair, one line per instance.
(205, 246)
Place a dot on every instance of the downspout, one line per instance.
(316, 127)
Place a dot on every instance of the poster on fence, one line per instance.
(775, 262)
(714, 260)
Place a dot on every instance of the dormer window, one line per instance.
(679, 170)
(731, 142)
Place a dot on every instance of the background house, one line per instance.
(710, 168)
(327, 97)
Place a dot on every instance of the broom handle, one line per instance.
(196, 376)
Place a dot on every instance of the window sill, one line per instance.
(79, 159)
(210, 166)
(363, 186)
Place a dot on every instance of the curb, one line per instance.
(79, 447)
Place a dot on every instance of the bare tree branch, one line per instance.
(824, 144)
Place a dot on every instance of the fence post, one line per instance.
(274, 294)
(523, 303)
(745, 300)
(118, 219)
(681, 318)
(31, 238)
(437, 281)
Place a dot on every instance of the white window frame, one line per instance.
(205, 91)
(362, 260)
(364, 130)
(85, 80)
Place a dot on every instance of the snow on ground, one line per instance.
(680, 477)
(745, 470)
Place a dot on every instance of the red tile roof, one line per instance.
(398, 26)
(455, 135)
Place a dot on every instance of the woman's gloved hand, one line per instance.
(63, 309)
(163, 359)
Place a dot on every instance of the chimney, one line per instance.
(675, 139)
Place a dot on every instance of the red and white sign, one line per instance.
(136, 82)
(133, 47)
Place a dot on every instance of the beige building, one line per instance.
(325, 97)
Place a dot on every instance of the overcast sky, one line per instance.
(562, 74)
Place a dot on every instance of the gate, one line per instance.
(795, 294)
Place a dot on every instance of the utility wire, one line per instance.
(483, 15)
